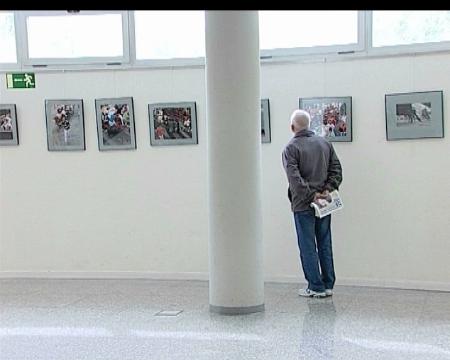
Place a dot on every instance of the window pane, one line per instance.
(8, 40)
(169, 34)
(290, 29)
(409, 27)
(73, 36)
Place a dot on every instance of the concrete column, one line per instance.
(236, 283)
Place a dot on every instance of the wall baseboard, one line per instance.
(202, 276)
(396, 284)
(94, 275)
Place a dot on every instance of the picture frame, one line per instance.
(9, 133)
(331, 117)
(65, 125)
(414, 115)
(115, 124)
(173, 123)
(265, 121)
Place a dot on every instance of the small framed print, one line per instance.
(115, 124)
(265, 121)
(9, 134)
(415, 115)
(65, 125)
(173, 123)
(331, 117)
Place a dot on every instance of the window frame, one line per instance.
(414, 48)
(323, 49)
(13, 65)
(362, 49)
(192, 61)
(32, 62)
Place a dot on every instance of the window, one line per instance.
(58, 39)
(8, 38)
(169, 34)
(306, 29)
(86, 37)
(410, 27)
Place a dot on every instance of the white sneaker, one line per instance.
(329, 292)
(311, 293)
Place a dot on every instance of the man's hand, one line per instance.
(323, 195)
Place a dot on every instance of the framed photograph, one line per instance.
(65, 125)
(115, 124)
(331, 117)
(8, 125)
(414, 115)
(173, 123)
(265, 121)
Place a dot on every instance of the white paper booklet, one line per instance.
(328, 205)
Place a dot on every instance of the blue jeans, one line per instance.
(314, 242)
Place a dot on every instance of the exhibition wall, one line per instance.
(143, 212)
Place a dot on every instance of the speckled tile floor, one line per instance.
(115, 320)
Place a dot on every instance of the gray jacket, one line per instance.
(311, 166)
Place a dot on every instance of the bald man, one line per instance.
(313, 170)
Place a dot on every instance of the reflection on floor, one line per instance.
(116, 319)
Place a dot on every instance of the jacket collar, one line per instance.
(304, 133)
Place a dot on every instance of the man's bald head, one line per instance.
(300, 120)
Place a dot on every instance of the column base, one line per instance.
(226, 310)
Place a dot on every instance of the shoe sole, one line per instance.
(316, 296)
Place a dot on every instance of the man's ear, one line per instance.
(292, 128)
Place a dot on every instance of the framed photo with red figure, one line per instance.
(331, 117)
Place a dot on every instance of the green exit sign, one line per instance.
(20, 81)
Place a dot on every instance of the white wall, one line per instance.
(144, 211)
